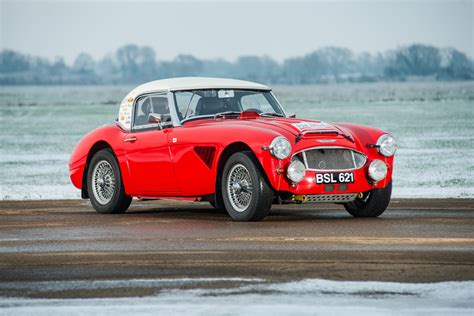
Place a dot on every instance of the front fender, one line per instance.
(364, 137)
(103, 137)
(258, 140)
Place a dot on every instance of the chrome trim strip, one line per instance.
(353, 158)
(305, 160)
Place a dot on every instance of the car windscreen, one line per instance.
(203, 103)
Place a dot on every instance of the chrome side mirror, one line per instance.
(154, 118)
(163, 120)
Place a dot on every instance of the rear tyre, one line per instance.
(245, 192)
(104, 184)
(372, 204)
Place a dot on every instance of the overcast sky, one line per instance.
(229, 29)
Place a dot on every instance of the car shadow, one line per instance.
(203, 211)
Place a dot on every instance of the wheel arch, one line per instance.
(231, 149)
(98, 146)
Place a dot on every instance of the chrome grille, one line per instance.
(333, 159)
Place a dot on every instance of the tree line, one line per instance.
(135, 64)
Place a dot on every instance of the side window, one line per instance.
(256, 101)
(155, 104)
(160, 106)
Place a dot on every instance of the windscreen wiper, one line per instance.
(226, 113)
(271, 114)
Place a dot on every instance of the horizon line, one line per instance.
(232, 60)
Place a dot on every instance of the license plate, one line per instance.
(334, 177)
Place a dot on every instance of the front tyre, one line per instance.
(372, 204)
(104, 184)
(245, 192)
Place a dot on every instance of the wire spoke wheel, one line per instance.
(103, 182)
(239, 187)
(246, 194)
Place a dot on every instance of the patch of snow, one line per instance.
(306, 297)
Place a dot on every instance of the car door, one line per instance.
(194, 157)
(147, 150)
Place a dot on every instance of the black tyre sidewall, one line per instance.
(120, 201)
(376, 204)
(262, 193)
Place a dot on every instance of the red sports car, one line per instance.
(231, 143)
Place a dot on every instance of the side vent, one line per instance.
(206, 153)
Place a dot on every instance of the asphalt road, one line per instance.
(41, 242)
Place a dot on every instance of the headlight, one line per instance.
(280, 147)
(377, 170)
(386, 145)
(296, 171)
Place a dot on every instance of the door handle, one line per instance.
(130, 140)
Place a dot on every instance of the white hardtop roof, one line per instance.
(179, 84)
(194, 83)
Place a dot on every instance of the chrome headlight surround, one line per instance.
(280, 147)
(386, 145)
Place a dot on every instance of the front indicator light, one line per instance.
(296, 171)
(377, 170)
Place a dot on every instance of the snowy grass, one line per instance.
(432, 123)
